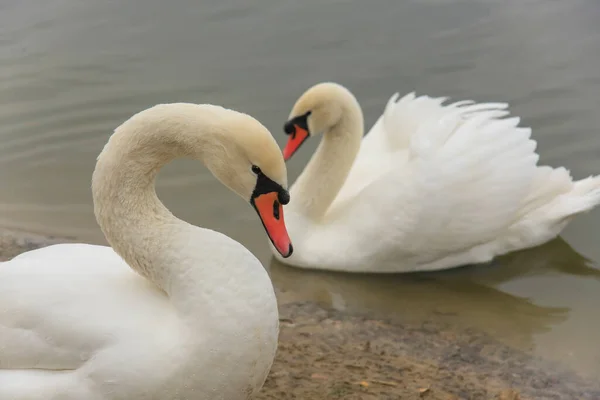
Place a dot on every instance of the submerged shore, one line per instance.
(326, 354)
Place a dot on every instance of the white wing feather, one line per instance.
(449, 176)
(37, 311)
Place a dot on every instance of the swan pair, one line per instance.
(173, 311)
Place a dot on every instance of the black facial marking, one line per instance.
(300, 120)
(265, 185)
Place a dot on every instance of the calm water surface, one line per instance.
(71, 71)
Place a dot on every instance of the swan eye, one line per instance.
(256, 169)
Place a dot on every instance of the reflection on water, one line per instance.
(71, 71)
(469, 296)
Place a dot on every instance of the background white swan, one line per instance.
(186, 313)
(430, 187)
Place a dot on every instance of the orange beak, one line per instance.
(270, 211)
(296, 139)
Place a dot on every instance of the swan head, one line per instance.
(237, 149)
(246, 158)
(317, 110)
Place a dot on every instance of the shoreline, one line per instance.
(14, 242)
(327, 354)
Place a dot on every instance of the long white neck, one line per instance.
(171, 253)
(325, 174)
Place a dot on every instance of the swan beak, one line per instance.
(270, 210)
(297, 137)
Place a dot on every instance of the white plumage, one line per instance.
(432, 186)
(171, 310)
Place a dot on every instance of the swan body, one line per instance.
(431, 186)
(170, 310)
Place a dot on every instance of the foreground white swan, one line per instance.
(430, 187)
(196, 320)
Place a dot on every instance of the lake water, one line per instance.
(71, 71)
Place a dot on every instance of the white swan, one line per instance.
(430, 187)
(196, 320)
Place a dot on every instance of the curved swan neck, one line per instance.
(325, 174)
(134, 221)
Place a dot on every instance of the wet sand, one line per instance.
(325, 354)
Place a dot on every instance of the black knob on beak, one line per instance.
(284, 196)
(288, 127)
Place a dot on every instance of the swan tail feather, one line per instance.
(584, 196)
(555, 199)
